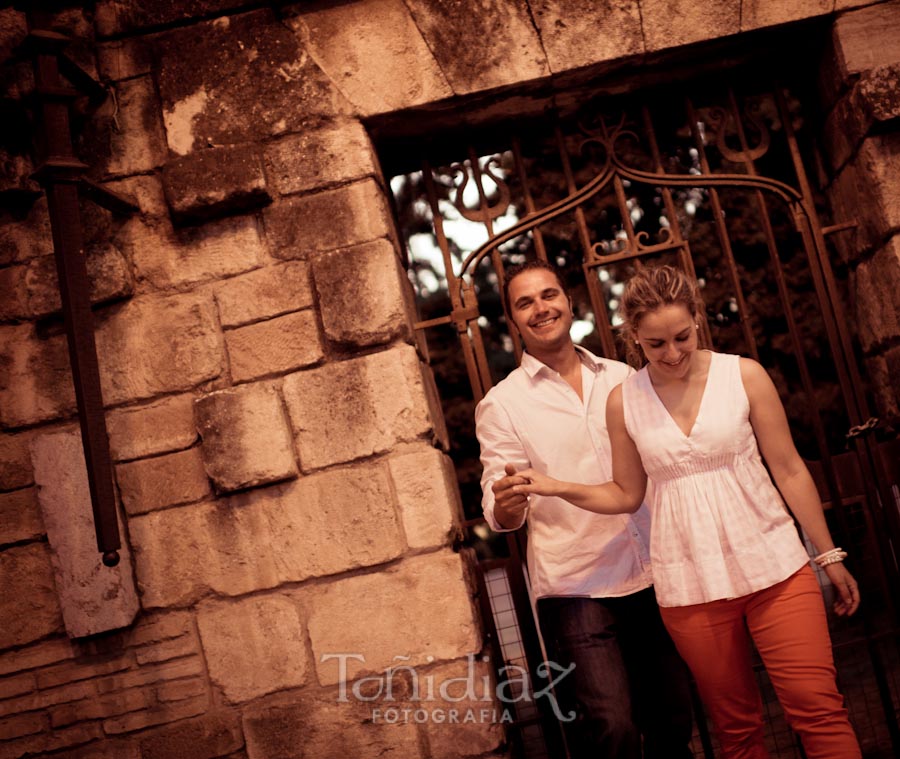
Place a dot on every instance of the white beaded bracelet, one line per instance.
(833, 556)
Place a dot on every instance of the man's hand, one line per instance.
(509, 507)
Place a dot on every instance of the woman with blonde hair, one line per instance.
(727, 561)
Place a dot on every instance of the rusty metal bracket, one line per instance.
(60, 173)
(842, 227)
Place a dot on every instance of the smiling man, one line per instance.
(589, 572)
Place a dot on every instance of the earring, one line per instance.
(636, 342)
(696, 326)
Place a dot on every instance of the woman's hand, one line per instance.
(538, 484)
(846, 587)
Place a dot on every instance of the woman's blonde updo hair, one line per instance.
(651, 288)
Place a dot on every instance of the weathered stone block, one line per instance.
(867, 38)
(317, 158)
(180, 690)
(158, 427)
(25, 233)
(15, 174)
(214, 734)
(670, 24)
(35, 380)
(254, 53)
(883, 371)
(420, 608)
(15, 462)
(166, 651)
(215, 182)
(300, 227)
(146, 191)
(464, 684)
(120, 16)
(123, 59)
(17, 725)
(48, 697)
(362, 295)
(94, 598)
(154, 345)
(109, 278)
(874, 98)
(132, 143)
(877, 302)
(171, 480)
(334, 521)
(319, 525)
(74, 671)
(52, 741)
(156, 715)
(183, 553)
(161, 627)
(29, 606)
(38, 655)
(867, 190)
(323, 729)
(17, 686)
(274, 346)
(246, 437)
(481, 47)
(12, 298)
(427, 492)
(254, 646)
(13, 30)
(756, 14)
(166, 258)
(374, 53)
(142, 677)
(264, 293)
(577, 33)
(108, 748)
(347, 410)
(108, 705)
(20, 518)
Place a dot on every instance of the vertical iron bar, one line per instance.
(496, 258)
(601, 314)
(583, 234)
(477, 379)
(539, 246)
(724, 240)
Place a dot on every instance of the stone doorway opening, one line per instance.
(711, 175)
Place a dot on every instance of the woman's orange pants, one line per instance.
(788, 625)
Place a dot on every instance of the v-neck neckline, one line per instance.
(689, 434)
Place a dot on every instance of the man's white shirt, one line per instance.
(534, 418)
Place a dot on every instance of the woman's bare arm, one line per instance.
(623, 494)
(791, 475)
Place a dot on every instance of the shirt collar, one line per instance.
(532, 366)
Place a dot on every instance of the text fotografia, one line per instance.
(469, 698)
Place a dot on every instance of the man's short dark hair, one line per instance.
(537, 264)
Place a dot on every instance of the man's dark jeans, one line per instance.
(628, 680)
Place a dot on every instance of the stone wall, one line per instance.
(862, 146)
(276, 436)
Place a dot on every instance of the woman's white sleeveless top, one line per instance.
(719, 526)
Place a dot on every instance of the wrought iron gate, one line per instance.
(719, 188)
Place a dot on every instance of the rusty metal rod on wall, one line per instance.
(60, 175)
